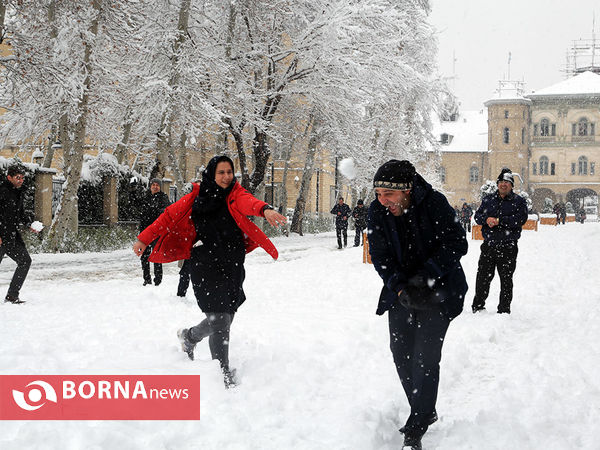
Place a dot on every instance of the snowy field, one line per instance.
(313, 358)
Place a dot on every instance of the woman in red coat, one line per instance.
(209, 226)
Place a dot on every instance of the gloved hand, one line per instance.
(421, 280)
(419, 293)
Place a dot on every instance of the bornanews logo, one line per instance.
(99, 397)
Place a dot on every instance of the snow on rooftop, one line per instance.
(469, 133)
(584, 83)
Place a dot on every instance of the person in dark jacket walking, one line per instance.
(210, 229)
(12, 216)
(153, 205)
(342, 213)
(416, 244)
(465, 217)
(359, 214)
(501, 216)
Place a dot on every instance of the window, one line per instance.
(545, 127)
(442, 174)
(553, 130)
(446, 138)
(582, 164)
(552, 169)
(535, 129)
(573, 166)
(473, 175)
(582, 127)
(543, 165)
(534, 168)
(506, 113)
(506, 136)
(592, 168)
(522, 135)
(592, 129)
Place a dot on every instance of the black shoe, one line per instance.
(412, 441)
(146, 282)
(477, 308)
(181, 294)
(13, 300)
(430, 421)
(504, 311)
(229, 378)
(157, 281)
(186, 345)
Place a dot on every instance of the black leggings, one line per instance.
(216, 327)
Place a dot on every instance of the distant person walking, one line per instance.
(501, 216)
(153, 205)
(416, 244)
(342, 213)
(465, 217)
(12, 216)
(359, 214)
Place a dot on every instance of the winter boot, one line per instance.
(430, 420)
(229, 378)
(14, 300)
(477, 308)
(186, 345)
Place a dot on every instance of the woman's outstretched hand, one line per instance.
(274, 218)
(139, 247)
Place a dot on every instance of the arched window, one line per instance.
(474, 174)
(506, 135)
(582, 127)
(544, 127)
(583, 164)
(544, 165)
(442, 174)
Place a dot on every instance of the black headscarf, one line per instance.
(211, 196)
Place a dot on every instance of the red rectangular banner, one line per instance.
(99, 397)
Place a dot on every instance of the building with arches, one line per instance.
(550, 138)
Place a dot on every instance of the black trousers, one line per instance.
(18, 253)
(504, 258)
(184, 278)
(339, 231)
(158, 270)
(358, 237)
(466, 224)
(416, 339)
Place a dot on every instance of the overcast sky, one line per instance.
(481, 33)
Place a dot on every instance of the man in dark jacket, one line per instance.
(360, 221)
(153, 206)
(342, 213)
(416, 244)
(465, 217)
(12, 216)
(501, 216)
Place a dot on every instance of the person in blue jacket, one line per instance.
(501, 216)
(416, 243)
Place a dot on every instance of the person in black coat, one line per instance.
(12, 216)
(342, 213)
(359, 214)
(501, 216)
(153, 205)
(416, 244)
(465, 217)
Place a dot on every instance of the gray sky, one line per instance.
(483, 32)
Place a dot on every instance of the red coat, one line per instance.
(176, 232)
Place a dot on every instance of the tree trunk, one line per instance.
(296, 226)
(121, 150)
(66, 221)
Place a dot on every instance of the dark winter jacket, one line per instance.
(431, 240)
(153, 206)
(511, 212)
(12, 212)
(360, 217)
(342, 213)
(465, 213)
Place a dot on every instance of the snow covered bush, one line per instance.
(547, 206)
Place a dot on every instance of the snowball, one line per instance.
(347, 168)
(37, 226)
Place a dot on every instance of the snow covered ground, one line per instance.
(313, 357)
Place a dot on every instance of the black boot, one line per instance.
(430, 420)
(186, 345)
(13, 299)
(229, 378)
(412, 441)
